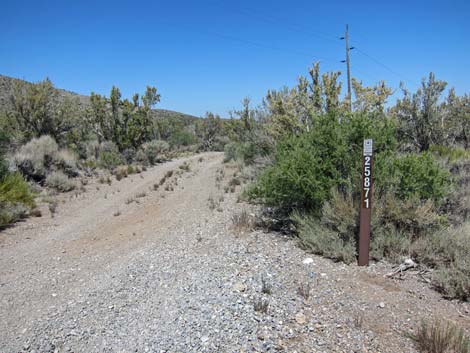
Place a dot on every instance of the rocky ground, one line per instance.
(127, 268)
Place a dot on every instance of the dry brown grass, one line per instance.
(243, 222)
(441, 336)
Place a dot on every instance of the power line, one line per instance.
(276, 20)
(386, 67)
(265, 46)
(250, 42)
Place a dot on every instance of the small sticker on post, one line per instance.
(368, 147)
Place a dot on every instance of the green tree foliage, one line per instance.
(39, 110)
(293, 111)
(420, 115)
(127, 124)
(414, 175)
(370, 100)
(306, 167)
(208, 130)
(457, 116)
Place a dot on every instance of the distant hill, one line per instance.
(7, 84)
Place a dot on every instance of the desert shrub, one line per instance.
(457, 205)
(245, 152)
(3, 167)
(441, 336)
(16, 199)
(60, 182)
(451, 153)
(304, 171)
(129, 155)
(14, 189)
(35, 158)
(41, 155)
(110, 159)
(155, 151)
(66, 161)
(182, 138)
(4, 142)
(321, 240)
(230, 152)
(395, 225)
(11, 213)
(447, 252)
(141, 157)
(220, 142)
(333, 234)
(414, 175)
(92, 149)
(412, 216)
(121, 172)
(390, 243)
(243, 222)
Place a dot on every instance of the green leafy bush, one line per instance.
(307, 166)
(110, 159)
(16, 199)
(414, 175)
(451, 153)
(304, 171)
(182, 138)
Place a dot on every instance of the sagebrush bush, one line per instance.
(155, 151)
(457, 205)
(412, 216)
(389, 243)
(41, 155)
(35, 158)
(60, 182)
(334, 233)
(230, 152)
(321, 240)
(447, 252)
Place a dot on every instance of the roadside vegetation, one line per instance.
(305, 146)
(53, 140)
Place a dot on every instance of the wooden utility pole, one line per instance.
(348, 67)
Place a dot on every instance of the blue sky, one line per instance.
(207, 55)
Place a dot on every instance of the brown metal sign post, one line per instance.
(366, 205)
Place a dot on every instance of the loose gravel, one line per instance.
(171, 274)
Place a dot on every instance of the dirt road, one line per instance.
(127, 268)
